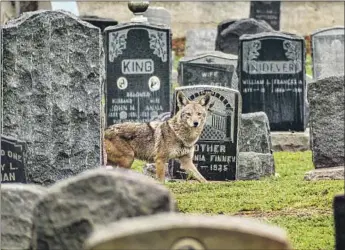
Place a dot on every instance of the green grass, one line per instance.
(302, 208)
(308, 65)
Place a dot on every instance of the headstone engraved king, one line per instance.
(268, 11)
(215, 153)
(272, 78)
(211, 68)
(138, 68)
(328, 52)
(12, 160)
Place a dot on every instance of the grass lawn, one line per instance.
(303, 208)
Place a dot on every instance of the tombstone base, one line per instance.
(253, 166)
(336, 173)
(289, 141)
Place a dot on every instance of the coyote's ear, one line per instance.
(205, 100)
(181, 99)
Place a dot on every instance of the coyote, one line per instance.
(158, 141)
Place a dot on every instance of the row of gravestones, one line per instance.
(53, 80)
(58, 113)
(115, 209)
(53, 76)
(327, 44)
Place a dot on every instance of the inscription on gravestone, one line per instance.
(215, 153)
(213, 68)
(12, 160)
(328, 52)
(268, 11)
(272, 78)
(138, 68)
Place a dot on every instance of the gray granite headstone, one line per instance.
(215, 154)
(200, 40)
(254, 134)
(158, 16)
(272, 78)
(73, 208)
(328, 52)
(230, 31)
(52, 92)
(138, 70)
(17, 204)
(253, 165)
(326, 103)
(210, 68)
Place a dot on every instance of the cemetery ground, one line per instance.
(302, 208)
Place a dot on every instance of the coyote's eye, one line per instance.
(188, 114)
(199, 114)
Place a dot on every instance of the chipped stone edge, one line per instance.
(32, 14)
(168, 221)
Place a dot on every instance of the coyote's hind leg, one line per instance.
(119, 153)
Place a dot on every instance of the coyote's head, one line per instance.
(193, 113)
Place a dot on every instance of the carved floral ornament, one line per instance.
(158, 43)
(251, 52)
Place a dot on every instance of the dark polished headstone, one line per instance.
(272, 78)
(339, 221)
(328, 52)
(268, 11)
(209, 68)
(12, 160)
(215, 153)
(230, 31)
(99, 22)
(138, 69)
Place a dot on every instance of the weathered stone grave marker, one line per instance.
(272, 78)
(209, 68)
(328, 52)
(12, 160)
(192, 232)
(230, 31)
(52, 92)
(17, 205)
(158, 16)
(72, 208)
(215, 153)
(138, 69)
(200, 40)
(268, 11)
(326, 100)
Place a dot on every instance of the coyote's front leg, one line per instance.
(160, 168)
(188, 165)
